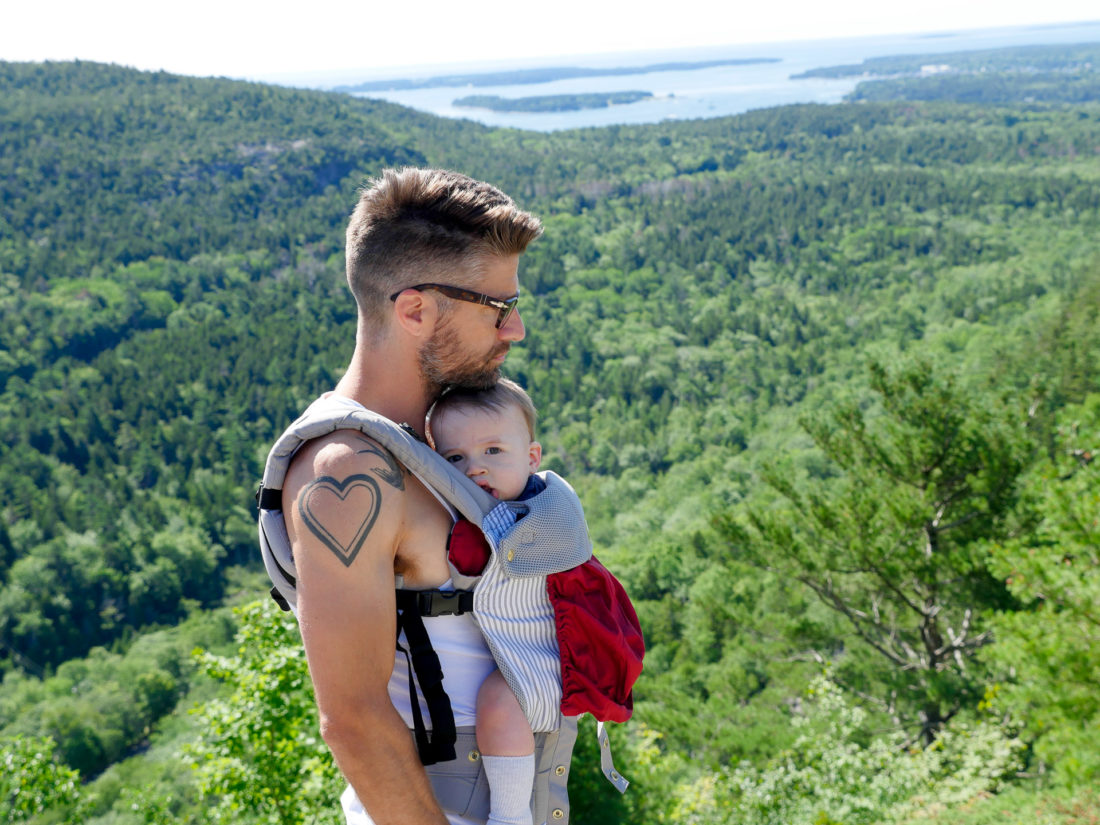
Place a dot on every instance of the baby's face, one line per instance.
(493, 448)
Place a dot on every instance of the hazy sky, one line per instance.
(264, 40)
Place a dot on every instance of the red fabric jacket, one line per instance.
(599, 637)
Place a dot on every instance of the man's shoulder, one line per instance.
(344, 497)
(329, 439)
(341, 455)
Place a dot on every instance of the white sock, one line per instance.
(511, 781)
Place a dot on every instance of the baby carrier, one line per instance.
(544, 537)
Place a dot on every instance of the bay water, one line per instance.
(710, 92)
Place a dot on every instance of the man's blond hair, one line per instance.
(427, 225)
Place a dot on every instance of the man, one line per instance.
(432, 262)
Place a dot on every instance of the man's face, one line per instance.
(493, 448)
(466, 349)
(445, 362)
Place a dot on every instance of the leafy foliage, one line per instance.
(32, 781)
(830, 776)
(261, 755)
(98, 709)
(1050, 648)
(895, 543)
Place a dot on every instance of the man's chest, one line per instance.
(421, 557)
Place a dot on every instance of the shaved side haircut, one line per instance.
(416, 226)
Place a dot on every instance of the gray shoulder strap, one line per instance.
(326, 415)
(553, 537)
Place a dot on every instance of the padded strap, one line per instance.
(440, 746)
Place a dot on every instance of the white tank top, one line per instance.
(464, 658)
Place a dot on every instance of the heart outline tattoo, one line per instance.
(341, 489)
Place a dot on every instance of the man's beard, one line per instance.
(443, 364)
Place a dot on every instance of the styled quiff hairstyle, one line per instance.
(503, 395)
(416, 226)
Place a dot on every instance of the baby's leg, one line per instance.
(502, 728)
(507, 750)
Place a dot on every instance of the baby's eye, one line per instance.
(454, 459)
(493, 450)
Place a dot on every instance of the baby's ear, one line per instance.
(534, 455)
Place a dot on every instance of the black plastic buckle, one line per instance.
(268, 499)
(433, 603)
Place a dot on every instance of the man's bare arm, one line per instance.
(345, 524)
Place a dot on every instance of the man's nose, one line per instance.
(513, 329)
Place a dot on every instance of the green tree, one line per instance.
(261, 756)
(32, 780)
(895, 542)
(1051, 649)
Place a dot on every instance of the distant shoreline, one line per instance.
(544, 75)
(1028, 58)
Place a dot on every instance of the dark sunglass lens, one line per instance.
(506, 312)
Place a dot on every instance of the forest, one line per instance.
(827, 379)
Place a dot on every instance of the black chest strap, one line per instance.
(412, 607)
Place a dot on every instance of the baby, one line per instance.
(489, 435)
(571, 638)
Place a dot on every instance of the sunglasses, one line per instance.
(503, 307)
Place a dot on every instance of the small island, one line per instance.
(552, 103)
(542, 75)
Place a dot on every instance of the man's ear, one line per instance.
(416, 313)
(534, 455)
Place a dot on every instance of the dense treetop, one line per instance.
(766, 349)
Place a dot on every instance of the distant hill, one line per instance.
(1016, 75)
(1039, 58)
